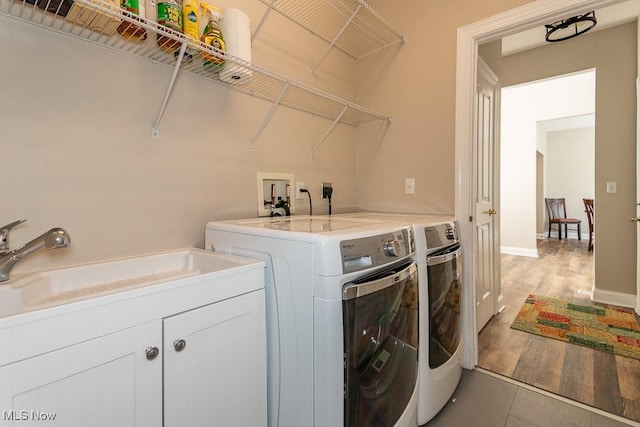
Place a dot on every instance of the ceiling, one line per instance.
(607, 17)
(565, 123)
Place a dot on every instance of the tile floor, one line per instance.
(484, 399)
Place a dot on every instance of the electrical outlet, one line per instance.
(299, 186)
(410, 186)
(327, 190)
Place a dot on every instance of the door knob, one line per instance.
(635, 219)
(492, 212)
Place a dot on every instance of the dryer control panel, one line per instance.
(441, 235)
(373, 251)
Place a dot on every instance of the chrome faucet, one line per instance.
(4, 235)
(55, 238)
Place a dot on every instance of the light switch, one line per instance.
(612, 187)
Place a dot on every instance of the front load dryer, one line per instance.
(342, 317)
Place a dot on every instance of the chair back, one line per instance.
(556, 208)
(588, 208)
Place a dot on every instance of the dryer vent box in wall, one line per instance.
(275, 187)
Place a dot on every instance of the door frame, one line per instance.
(638, 181)
(469, 37)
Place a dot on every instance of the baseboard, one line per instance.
(509, 250)
(572, 235)
(615, 298)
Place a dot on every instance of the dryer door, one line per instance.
(380, 320)
(444, 271)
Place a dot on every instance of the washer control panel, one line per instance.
(367, 252)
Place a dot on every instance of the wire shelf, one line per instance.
(350, 26)
(98, 24)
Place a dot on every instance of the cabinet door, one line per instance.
(218, 377)
(107, 381)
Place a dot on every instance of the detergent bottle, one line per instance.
(169, 13)
(134, 9)
(190, 24)
(212, 36)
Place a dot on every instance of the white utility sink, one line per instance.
(61, 286)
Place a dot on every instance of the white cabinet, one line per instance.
(114, 362)
(214, 364)
(106, 381)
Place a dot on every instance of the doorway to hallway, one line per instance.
(547, 150)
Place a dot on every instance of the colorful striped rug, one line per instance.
(598, 326)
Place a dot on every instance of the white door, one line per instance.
(107, 381)
(215, 360)
(484, 194)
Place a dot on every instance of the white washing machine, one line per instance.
(342, 317)
(440, 329)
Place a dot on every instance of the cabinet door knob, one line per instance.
(151, 352)
(179, 344)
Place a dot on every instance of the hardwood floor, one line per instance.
(596, 378)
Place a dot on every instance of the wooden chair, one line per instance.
(558, 215)
(588, 208)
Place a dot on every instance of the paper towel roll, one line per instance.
(236, 30)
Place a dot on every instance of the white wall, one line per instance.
(522, 107)
(570, 172)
